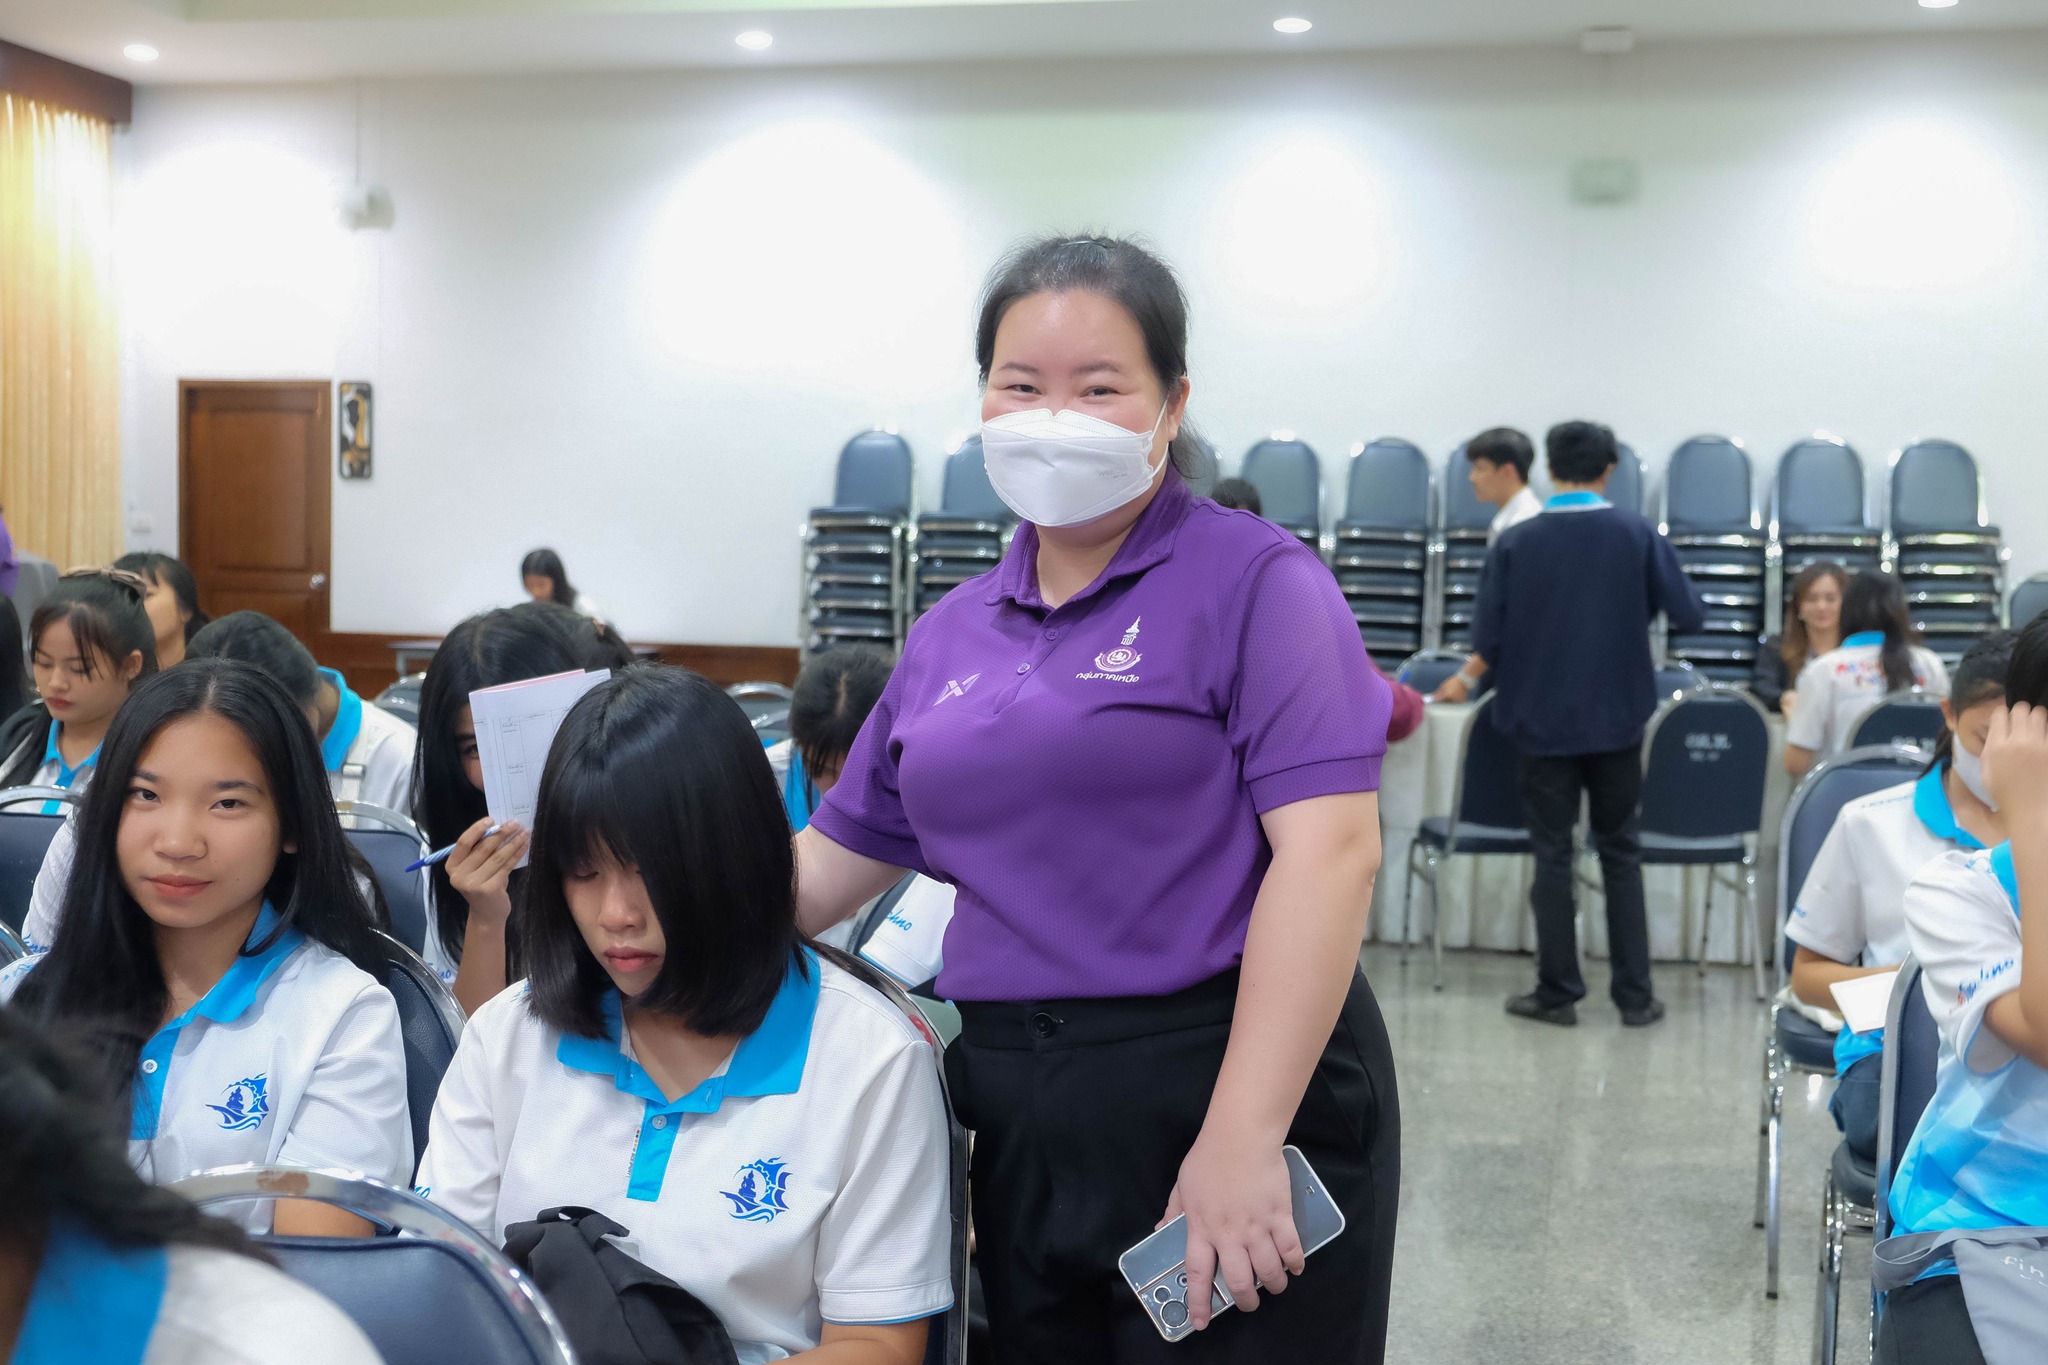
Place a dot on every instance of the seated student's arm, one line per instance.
(1672, 593)
(1806, 724)
(353, 1115)
(480, 869)
(1829, 921)
(888, 1343)
(2016, 770)
(53, 879)
(1812, 974)
(465, 1158)
(1488, 618)
(1767, 681)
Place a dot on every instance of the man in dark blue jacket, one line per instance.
(1565, 605)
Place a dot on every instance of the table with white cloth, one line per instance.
(1485, 898)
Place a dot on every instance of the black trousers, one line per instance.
(1855, 1105)
(1082, 1112)
(1613, 785)
(1927, 1323)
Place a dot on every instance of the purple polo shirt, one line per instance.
(1091, 776)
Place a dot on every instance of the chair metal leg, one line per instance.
(1407, 902)
(1436, 921)
(1754, 909)
(1774, 1140)
(1706, 919)
(1828, 1302)
(1763, 1130)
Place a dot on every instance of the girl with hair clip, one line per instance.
(1978, 924)
(768, 1129)
(471, 903)
(214, 942)
(90, 641)
(1850, 920)
(1880, 653)
(97, 1264)
(172, 602)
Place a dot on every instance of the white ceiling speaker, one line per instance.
(366, 206)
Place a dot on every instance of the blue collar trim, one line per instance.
(1575, 502)
(92, 1304)
(768, 1061)
(1864, 637)
(66, 774)
(228, 1001)
(348, 723)
(1931, 804)
(2008, 876)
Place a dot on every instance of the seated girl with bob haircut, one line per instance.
(770, 1130)
(216, 946)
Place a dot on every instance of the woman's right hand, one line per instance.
(481, 867)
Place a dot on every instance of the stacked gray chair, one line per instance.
(1382, 547)
(36, 580)
(1460, 550)
(855, 556)
(1819, 509)
(965, 537)
(1290, 483)
(1708, 512)
(1942, 546)
(1625, 484)
(2029, 600)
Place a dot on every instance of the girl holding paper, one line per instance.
(1850, 917)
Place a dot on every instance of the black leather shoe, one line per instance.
(1647, 1015)
(1531, 1006)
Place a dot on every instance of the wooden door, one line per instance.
(253, 498)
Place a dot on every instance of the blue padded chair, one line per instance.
(1388, 487)
(2029, 600)
(1625, 484)
(25, 834)
(1678, 677)
(1462, 527)
(1706, 756)
(1819, 507)
(402, 698)
(1793, 1042)
(1289, 478)
(1426, 670)
(1487, 817)
(966, 491)
(874, 473)
(1906, 1081)
(1708, 511)
(391, 843)
(1909, 716)
(440, 1295)
(35, 579)
(1940, 541)
(430, 1024)
(966, 537)
(12, 949)
(855, 589)
(1380, 550)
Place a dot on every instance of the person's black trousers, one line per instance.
(1612, 784)
(1855, 1105)
(1082, 1112)
(1927, 1323)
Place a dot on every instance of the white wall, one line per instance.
(633, 317)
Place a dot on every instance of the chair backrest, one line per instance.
(402, 698)
(1462, 509)
(11, 946)
(967, 491)
(1489, 792)
(430, 1023)
(390, 843)
(1819, 487)
(1906, 1077)
(442, 1296)
(1428, 669)
(1912, 716)
(1811, 810)
(1706, 758)
(1289, 479)
(1709, 489)
(874, 473)
(1935, 487)
(2029, 600)
(36, 580)
(1388, 485)
(25, 834)
(1625, 484)
(1679, 676)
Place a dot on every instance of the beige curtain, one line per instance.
(60, 397)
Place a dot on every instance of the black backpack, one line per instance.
(615, 1310)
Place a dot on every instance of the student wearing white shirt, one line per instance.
(1500, 460)
(171, 599)
(90, 642)
(97, 1265)
(214, 930)
(1880, 653)
(1978, 923)
(770, 1130)
(545, 580)
(1850, 919)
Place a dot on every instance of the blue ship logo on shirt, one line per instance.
(246, 1104)
(761, 1187)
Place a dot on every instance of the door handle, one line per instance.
(319, 582)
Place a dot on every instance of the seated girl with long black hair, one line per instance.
(90, 641)
(215, 941)
(768, 1129)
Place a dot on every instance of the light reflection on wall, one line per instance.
(809, 254)
(1301, 232)
(1914, 207)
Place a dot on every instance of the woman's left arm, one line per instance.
(1300, 955)
(886, 1343)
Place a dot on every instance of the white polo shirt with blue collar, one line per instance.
(293, 1058)
(805, 1182)
(1979, 1157)
(55, 772)
(368, 752)
(1852, 906)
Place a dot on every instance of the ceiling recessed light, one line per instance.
(1937, 4)
(755, 39)
(139, 52)
(1292, 26)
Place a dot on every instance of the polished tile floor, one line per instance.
(1584, 1196)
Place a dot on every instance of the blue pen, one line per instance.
(441, 855)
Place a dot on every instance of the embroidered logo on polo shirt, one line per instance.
(246, 1104)
(1115, 665)
(760, 1194)
(958, 687)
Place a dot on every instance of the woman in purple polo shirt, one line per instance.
(1146, 750)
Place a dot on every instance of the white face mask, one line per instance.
(1064, 468)
(1970, 768)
